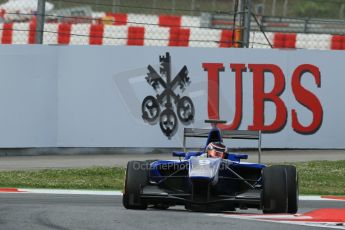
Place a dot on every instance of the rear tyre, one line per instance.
(293, 192)
(136, 178)
(275, 190)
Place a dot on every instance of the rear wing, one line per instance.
(226, 134)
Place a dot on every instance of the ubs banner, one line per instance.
(83, 96)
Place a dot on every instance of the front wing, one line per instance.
(152, 194)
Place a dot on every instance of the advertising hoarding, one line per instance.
(81, 96)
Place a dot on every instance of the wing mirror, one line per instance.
(237, 157)
(178, 154)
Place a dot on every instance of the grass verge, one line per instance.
(322, 177)
(104, 178)
(316, 177)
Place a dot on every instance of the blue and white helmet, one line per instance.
(219, 147)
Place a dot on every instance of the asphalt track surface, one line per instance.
(74, 212)
(82, 161)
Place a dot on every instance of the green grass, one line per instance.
(317, 177)
(89, 178)
(322, 177)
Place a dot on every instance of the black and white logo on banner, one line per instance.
(167, 103)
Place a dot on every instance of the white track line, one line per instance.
(317, 198)
(72, 192)
(303, 223)
(332, 225)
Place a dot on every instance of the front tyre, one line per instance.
(136, 178)
(293, 192)
(275, 190)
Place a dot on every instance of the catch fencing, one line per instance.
(195, 23)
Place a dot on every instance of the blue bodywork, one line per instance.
(158, 168)
(203, 183)
(199, 182)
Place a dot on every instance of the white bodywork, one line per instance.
(201, 167)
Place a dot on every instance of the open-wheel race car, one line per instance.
(204, 182)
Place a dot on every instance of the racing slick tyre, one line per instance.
(275, 190)
(292, 183)
(136, 178)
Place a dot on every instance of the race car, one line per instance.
(204, 183)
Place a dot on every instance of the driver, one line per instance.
(216, 149)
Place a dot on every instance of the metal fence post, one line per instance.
(273, 10)
(341, 11)
(285, 7)
(113, 9)
(247, 20)
(40, 21)
(192, 7)
(173, 2)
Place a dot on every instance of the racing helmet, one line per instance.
(216, 149)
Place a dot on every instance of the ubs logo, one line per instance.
(168, 102)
